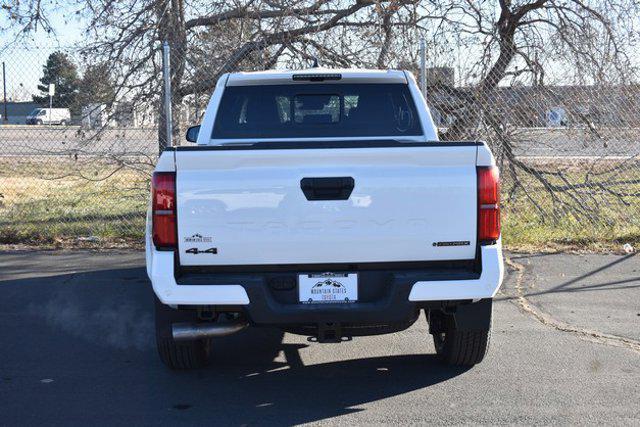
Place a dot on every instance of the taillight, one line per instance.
(163, 209)
(488, 204)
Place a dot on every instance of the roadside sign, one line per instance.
(52, 89)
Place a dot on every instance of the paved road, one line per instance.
(29, 141)
(76, 332)
(544, 144)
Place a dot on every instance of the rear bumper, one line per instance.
(405, 289)
(484, 286)
(162, 275)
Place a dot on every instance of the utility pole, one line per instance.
(5, 117)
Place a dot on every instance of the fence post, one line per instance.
(166, 73)
(423, 67)
(5, 118)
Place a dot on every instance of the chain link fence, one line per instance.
(78, 170)
(569, 153)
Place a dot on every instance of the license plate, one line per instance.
(328, 287)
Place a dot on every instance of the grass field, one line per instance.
(46, 202)
(600, 212)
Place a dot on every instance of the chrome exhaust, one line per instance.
(196, 331)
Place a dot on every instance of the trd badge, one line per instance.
(455, 243)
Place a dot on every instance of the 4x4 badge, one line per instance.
(196, 251)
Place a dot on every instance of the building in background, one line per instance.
(121, 115)
(17, 112)
(525, 106)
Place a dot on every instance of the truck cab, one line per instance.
(323, 203)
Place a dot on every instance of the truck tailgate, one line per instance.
(248, 206)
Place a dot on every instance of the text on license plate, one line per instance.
(328, 287)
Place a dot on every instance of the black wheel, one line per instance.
(63, 123)
(462, 348)
(38, 122)
(179, 355)
(461, 335)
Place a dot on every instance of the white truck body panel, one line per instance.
(250, 203)
(160, 268)
(485, 287)
(278, 77)
(161, 274)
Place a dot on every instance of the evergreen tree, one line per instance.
(62, 72)
(96, 86)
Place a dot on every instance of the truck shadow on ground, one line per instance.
(92, 333)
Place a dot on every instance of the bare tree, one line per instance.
(208, 39)
(24, 17)
(526, 42)
(507, 54)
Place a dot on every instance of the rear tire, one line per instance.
(184, 355)
(461, 335)
(179, 355)
(462, 348)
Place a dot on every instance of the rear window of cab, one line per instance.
(316, 111)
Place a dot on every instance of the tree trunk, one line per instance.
(469, 119)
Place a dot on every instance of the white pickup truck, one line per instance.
(322, 202)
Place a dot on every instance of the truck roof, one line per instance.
(316, 75)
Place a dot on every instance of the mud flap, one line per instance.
(474, 316)
(464, 317)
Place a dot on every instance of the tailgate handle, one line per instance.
(338, 188)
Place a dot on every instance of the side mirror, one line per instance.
(192, 133)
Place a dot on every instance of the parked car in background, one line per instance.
(49, 116)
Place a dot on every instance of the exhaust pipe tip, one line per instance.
(197, 331)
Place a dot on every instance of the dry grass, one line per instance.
(47, 202)
(601, 213)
